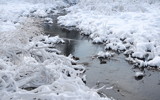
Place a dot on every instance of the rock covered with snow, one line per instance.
(139, 75)
(52, 40)
(102, 54)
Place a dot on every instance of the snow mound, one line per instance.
(155, 61)
(52, 40)
(102, 54)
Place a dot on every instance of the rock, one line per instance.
(139, 75)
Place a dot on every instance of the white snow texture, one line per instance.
(30, 68)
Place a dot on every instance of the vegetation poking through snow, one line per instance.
(30, 67)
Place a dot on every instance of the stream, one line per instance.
(117, 75)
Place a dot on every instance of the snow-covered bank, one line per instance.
(14, 12)
(30, 68)
(123, 25)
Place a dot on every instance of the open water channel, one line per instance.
(117, 75)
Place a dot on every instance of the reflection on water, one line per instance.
(116, 73)
(54, 29)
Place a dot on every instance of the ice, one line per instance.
(123, 25)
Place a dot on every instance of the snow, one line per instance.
(155, 61)
(102, 54)
(49, 20)
(52, 40)
(139, 74)
(109, 88)
(30, 68)
(15, 11)
(132, 26)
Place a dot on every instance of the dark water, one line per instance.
(117, 75)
